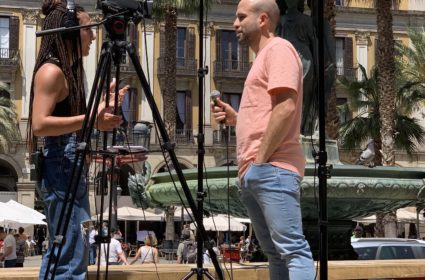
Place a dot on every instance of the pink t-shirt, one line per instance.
(276, 66)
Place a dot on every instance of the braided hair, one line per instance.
(66, 50)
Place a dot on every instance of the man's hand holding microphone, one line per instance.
(223, 113)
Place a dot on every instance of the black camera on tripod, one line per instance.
(118, 13)
(139, 9)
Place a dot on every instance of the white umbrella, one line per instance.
(133, 214)
(25, 209)
(403, 215)
(13, 217)
(220, 223)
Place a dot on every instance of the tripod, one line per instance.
(114, 49)
(200, 238)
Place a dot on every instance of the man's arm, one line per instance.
(277, 128)
(180, 253)
(122, 257)
(7, 252)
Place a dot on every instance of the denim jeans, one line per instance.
(92, 254)
(272, 198)
(59, 153)
(10, 263)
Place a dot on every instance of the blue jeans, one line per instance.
(272, 198)
(59, 153)
(10, 263)
(92, 254)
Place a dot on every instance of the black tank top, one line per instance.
(63, 108)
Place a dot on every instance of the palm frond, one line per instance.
(409, 134)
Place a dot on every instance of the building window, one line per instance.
(181, 46)
(229, 50)
(183, 110)
(344, 114)
(4, 37)
(339, 55)
(339, 2)
(234, 99)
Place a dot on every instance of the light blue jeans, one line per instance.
(272, 198)
(59, 153)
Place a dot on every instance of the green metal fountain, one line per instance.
(353, 191)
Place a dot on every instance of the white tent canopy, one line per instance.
(221, 223)
(403, 215)
(126, 213)
(15, 215)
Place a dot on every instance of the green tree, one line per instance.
(364, 96)
(167, 11)
(386, 66)
(9, 131)
(412, 60)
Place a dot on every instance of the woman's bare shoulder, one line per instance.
(50, 78)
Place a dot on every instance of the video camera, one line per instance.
(139, 9)
(119, 13)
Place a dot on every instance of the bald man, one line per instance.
(270, 158)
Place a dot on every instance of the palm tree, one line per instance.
(332, 119)
(167, 11)
(413, 67)
(366, 125)
(9, 131)
(386, 66)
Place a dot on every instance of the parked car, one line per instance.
(388, 248)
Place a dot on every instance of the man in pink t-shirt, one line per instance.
(270, 158)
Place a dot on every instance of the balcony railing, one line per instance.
(220, 137)
(9, 57)
(229, 2)
(231, 69)
(184, 136)
(349, 73)
(184, 66)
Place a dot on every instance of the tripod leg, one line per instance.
(170, 149)
(76, 171)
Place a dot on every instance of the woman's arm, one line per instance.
(136, 257)
(50, 88)
(155, 255)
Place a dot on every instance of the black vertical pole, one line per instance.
(323, 172)
(201, 139)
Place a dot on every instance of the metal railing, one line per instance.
(220, 137)
(184, 136)
(9, 57)
(184, 66)
(231, 69)
(349, 73)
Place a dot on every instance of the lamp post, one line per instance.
(142, 133)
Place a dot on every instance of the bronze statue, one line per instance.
(298, 28)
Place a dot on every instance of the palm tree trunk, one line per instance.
(386, 66)
(332, 119)
(169, 91)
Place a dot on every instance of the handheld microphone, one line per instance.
(215, 94)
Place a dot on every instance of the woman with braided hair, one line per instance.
(57, 111)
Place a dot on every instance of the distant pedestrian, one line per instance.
(147, 253)
(21, 247)
(9, 249)
(93, 247)
(116, 254)
(31, 246)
